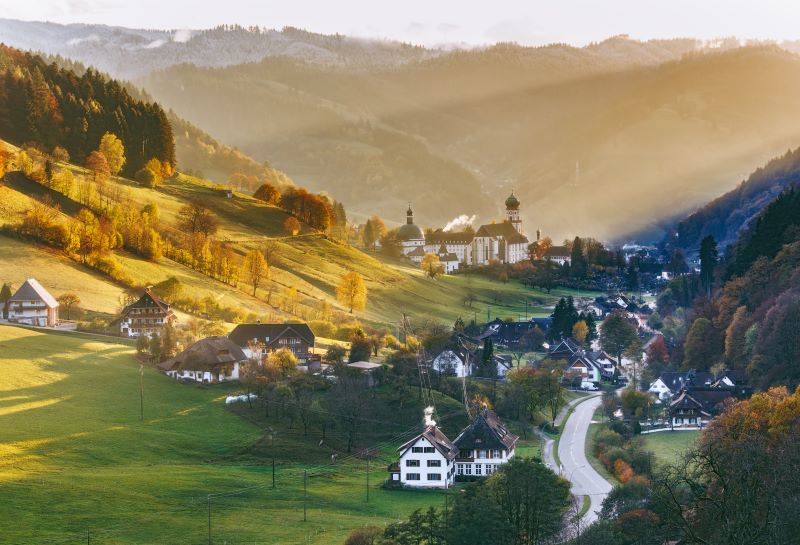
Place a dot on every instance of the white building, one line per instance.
(484, 445)
(427, 461)
(452, 363)
(32, 305)
(411, 236)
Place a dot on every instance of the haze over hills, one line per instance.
(573, 137)
(612, 139)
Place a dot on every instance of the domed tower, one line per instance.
(410, 235)
(512, 212)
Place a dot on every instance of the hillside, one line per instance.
(310, 262)
(725, 217)
(572, 131)
(78, 460)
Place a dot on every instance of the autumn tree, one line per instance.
(68, 301)
(255, 267)
(114, 151)
(291, 226)
(708, 262)
(703, 345)
(267, 193)
(431, 266)
(352, 292)
(97, 163)
(283, 360)
(197, 218)
(580, 331)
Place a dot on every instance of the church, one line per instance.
(504, 242)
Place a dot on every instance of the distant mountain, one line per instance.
(590, 143)
(725, 217)
(614, 138)
(128, 53)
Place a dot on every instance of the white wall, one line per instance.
(445, 470)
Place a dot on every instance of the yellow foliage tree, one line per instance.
(579, 331)
(352, 292)
(114, 151)
(431, 266)
(255, 267)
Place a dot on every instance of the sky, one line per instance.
(435, 22)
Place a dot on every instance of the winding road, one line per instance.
(572, 454)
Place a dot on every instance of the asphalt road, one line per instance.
(572, 453)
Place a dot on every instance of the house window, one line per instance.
(434, 463)
(460, 469)
(429, 450)
(481, 454)
(497, 454)
(434, 476)
(412, 463)
(478, 470)
(416, 449)
(412, 476)
(468, 470)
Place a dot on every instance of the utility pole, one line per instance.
(368, 478)
(141, 392)
(445, 516)
(88, 538)
(305, 493)
(273, 473)
(209, 519)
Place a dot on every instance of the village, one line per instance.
(474, 355)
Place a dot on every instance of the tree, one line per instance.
(703, 345)
(580, 331)
(169, 341)
(5, 293)
(283, 360)
(196, 218)
(256, 269)
(374, 230)
(268, 193)
(360, 349)
(739, 484)
(147, 177)
(68, 301)
(113, 150)
(431, 266)
(578, 264)
(532, 498)
(291, 226)
(617, 333)
(96, 162)
(352, 292)
(708, 262)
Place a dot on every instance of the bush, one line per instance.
(147, 177)
(364, 536)
(323, 328)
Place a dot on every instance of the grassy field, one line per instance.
(309, 262)
(669, 445)
(74, 457)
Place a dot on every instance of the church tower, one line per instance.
(512, 212)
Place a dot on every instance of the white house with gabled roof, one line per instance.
(427, 460)
(32, 305)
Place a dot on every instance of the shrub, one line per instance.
(323, 328)
(147, 177)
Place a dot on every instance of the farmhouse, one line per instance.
(584, 366)
(258, 340)
(146, 316)
(669, 384)
(453, 363)
(209, 360)
(558, 254)
(32, 305)
(484, 445)
(426, 461)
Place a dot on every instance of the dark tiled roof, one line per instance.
(565, 346)
(418, 251)
(448, 237)
(148, 299)
(486, 432)
(685, 401)
(437, 439)
(31, 290)
(557, 251)
(675, 381)
(207, 353)
(504, 229)
(244, 333)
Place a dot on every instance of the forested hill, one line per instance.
(725, 217)
(49, 106)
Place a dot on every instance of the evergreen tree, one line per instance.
(708, 262)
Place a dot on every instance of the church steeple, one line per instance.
(512, 212)
(409, 215)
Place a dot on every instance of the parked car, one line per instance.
(586, 385)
